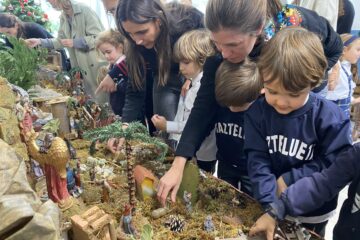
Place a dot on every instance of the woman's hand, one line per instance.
(32, 42)
(265, 224)
(115, 144)
(171, 181)
(106, 85)
(67, 43)
(159, 122)
(185, 87)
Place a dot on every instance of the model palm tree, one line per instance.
(134, 131)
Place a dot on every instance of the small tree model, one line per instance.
(27, 11)
(19, 64)
(134, 131)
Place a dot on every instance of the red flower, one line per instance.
(26, 1)
(46, 16)
(29, 13)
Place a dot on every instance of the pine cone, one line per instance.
(175, 223)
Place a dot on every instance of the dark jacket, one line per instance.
(205, 106)
(293, 145)
(120, 77)
(310, 192)
(152, 98)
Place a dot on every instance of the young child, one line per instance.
(236, 87)
(190, 51)
(111, 44)
(291, 132)
(342, 93)
(310, 192)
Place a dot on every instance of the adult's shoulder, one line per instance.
(183, 18)
(312, 21)
(35, 30)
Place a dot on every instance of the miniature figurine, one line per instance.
(38, 172)
(54, 155)
(74, 189)
(187, 200)
(92, 173)
(106, 189)
(24, 115)
(208, 224)
(77, 172)
(126, 220)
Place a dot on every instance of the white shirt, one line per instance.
(208, 148)
(341, 90)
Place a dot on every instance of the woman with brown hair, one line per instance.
(239, 28)
(151, 29)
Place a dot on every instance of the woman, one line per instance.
(79, 26)
(151, 30)
(239, 28)
(12, 26)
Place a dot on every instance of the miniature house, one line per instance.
(145, 182)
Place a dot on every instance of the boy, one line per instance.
(320, 187)
(236, 87)
(190, 51)
(292, 133)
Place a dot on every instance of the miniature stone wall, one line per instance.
(9, 125)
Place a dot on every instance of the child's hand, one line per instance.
(281, 186)
(67, 42)
(106, 85)
(159, 122)
(185, 87)
(355, 101)
(264, 224)
(334, 77)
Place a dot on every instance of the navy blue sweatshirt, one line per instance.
(294, 145)
(205, 106)
(310, 192)
(229, 130)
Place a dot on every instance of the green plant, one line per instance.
(147, 233)
(20, 63)
(52, 126)
(134, 131)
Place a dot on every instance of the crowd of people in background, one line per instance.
(264, 88)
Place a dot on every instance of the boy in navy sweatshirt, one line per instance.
(292, 133)
(237, 86)
(309, 192)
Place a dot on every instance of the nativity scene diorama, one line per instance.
(60, 180)
(106, 196)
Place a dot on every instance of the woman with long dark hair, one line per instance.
(239, 29)
(151, 29)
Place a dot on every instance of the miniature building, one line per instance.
(145, 182)
(93, 224)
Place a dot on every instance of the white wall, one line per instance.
(356, 24)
